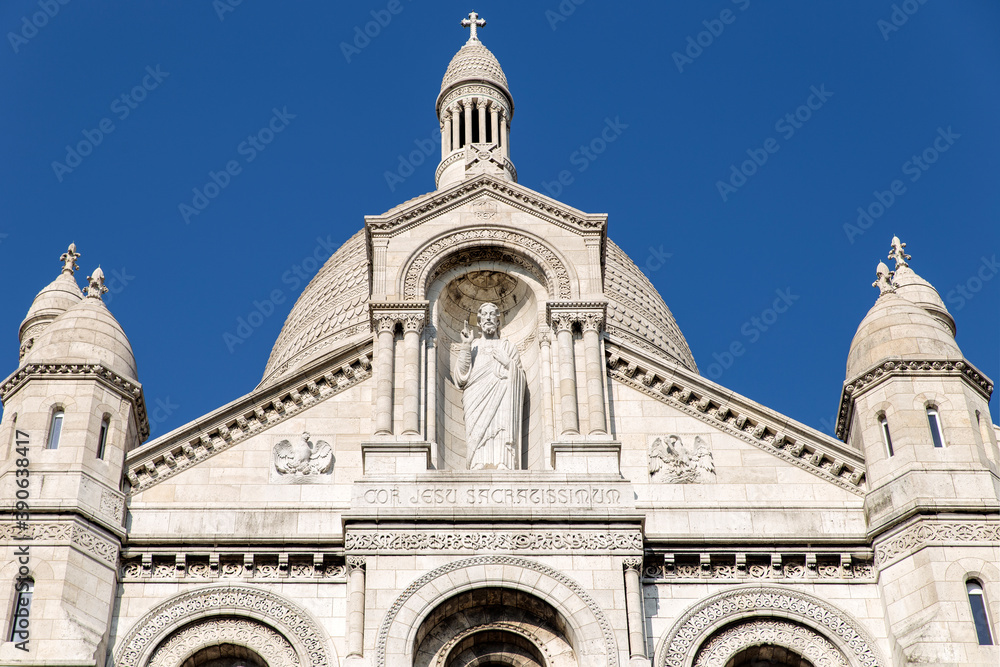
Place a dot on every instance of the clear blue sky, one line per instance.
(881, 94)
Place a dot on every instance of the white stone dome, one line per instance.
(896, 328)
(332, 312)
(86, 333)
(912, 287)
(56, 298)
(474, 62)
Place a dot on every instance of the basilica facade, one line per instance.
(481, 440)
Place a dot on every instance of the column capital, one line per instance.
(355, 563)
(386, 314)
(633, 563)
(590, 314)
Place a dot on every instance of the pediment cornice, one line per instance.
(737, 415)
(411, 213)
(246, 416)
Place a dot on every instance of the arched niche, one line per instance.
(230, 614)
(455, 296)
(745, 612)
(437, 619)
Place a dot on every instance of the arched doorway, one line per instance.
(768, 656)
(225, 655)
(494, 627)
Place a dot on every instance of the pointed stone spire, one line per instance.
(473, 22)
(883, 279)
(897, 253)
(95, 284)
(69, 258)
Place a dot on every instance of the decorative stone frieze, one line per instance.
(907, 368)
(924, 532)
(224, 430)
(746, 637)
(204, 567)
(66, 532)
(696, 626)
(451, 541)
(752, 428)
(128, 389)
(234, 602)
(735, 567)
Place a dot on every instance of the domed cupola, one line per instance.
(86, 333)
(474, 109)
(57, 297)
(911, 286)
(897, 328)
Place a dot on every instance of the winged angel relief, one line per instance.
(303, 457)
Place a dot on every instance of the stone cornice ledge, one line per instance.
(897, 367)
(128, 388)
(218, 431)
(402, 217)
(728, 411)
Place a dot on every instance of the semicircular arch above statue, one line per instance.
(495, 244)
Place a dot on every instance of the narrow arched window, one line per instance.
(24, 589)
(934, 421)
(980, 618)
(55, 429)
(102, 439)
(883, 425)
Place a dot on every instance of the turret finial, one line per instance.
(897, 253)
(69, 258)
(95, 286)
(883, 279)
(473, 22)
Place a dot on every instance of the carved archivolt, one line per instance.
(694, 628)
(515, 247)
(385, 635)
(263, 607)
(267, 643)
(718, 650)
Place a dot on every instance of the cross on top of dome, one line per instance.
(472, 23)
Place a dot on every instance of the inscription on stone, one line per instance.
(579, 496)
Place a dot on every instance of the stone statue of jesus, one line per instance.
(489, 370)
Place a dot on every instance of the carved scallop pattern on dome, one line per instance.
(637, 313)
(333, 306)
(473, 61)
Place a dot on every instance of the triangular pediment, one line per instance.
(250, 415)
(737, 416)
(411, 213)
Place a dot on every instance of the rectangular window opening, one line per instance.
(934, 421)
(55, 430)
(886, 438)
(102, 440)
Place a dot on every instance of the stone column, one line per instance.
(355, 606)
(545, 340)
(481, 107)
(592, 323)
(468, 121)
(385, 326)
(563, 323)
(633, 607)
(412, 324)
(495, 123)
(431, 375)
(456, 127)
(503, 135)
(446, 135)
